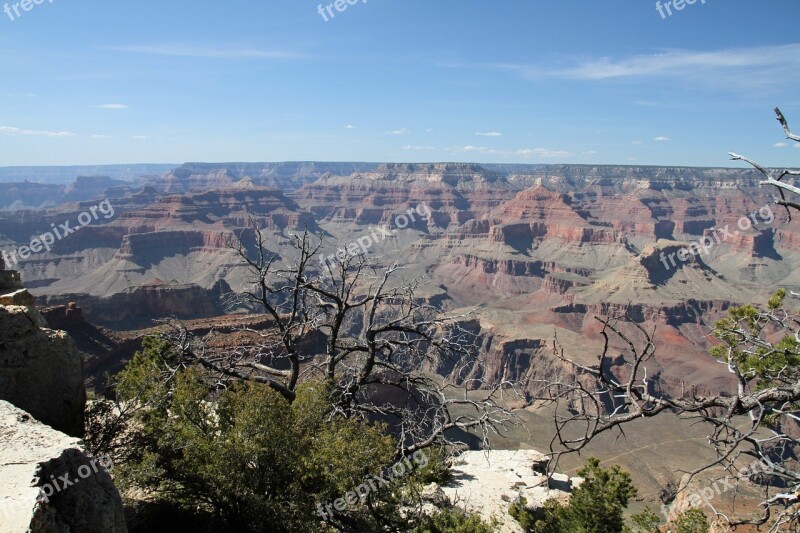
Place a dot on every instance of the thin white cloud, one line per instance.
(99, 136)
(637, 143)
(473, 149)
(140, 137)
(10, 130)
(543, 152)
(591, 152)
(190, 50)
(349, 127)
(489, 134)
(684, 61)
(414, 147)
(729, 67)
(429, 130)
(662, 139)
(112, 106)
(401, 131)
(525, 153)
(780, 145)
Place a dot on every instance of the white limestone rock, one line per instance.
(33, 455)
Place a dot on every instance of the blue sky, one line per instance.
(521, 81)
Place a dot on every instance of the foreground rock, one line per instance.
(40, 370)
(36, 462)
(488, 483)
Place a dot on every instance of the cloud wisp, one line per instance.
(10, 130)
(732, 67)
(524, 153)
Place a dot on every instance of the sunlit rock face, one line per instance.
(32, 457)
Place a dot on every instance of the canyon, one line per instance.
(528, 253)
(541, 249)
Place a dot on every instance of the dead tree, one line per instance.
(771, 179)
(364, 331)
(760, 347)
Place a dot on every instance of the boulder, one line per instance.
(48, 482)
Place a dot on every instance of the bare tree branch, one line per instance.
(379, 342)
(785, 124)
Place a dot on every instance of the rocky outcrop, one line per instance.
(49, 484)
(115, 263)
(25, 194)
(41, 370)
(91, 187)
(488, 483)
(623, 179)
(148, 248)
(270, 207)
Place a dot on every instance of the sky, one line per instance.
(508, 81)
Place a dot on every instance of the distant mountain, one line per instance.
(42, 187)
(286, 176)
(64, 175)
(30, 195)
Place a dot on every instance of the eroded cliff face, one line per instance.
(41, 370)
(138, 307)
(455, 193)
(157, 256)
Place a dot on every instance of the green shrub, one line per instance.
(595, 507)
(692, 521)
(645, 522)
(244, 455)
(453, 521)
